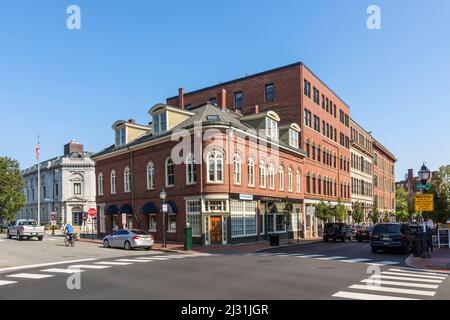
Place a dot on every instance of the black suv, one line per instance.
(391, 236)
(336, 231)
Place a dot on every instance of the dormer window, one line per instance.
(271, 128)
(121, 136)
(160, 123)
(293, 138)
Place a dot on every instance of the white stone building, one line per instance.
(68, 188)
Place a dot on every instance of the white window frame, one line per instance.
(262, 174)
(210, 203)
(157, 122)
(237, 169)
(127, 180)
(216, 156)
(271, 128)
(271, 173)
(293, 138)
(191, 170)
(193, 212)
(169, 225)
(281, 180)
(244, 210)
(121, 136)
(298, 177)
(75, 184)
(113, 182)
(150, 176)
(101, 184)
(290, 180)
(167, 172)
(251, 172)
(155, 226)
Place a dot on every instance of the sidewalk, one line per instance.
(439, 261)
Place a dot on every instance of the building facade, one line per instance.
(67, 188)
(231, 181)
(384, 179)
(361, 169)
(295, 92)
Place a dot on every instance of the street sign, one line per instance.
(53, 222)
(85, 216)
(423, 186)
(164, 207)
(124, 220)
(92, 212)
(424, 202)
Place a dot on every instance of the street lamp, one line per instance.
(424, 174)
(163, 196)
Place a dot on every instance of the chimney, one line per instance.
(72, 147)
(132, 121)
(256, 109)
(181, 98)
(222, 99)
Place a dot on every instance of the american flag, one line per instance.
(38, 151)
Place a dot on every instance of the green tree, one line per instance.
(358, 212)
(375, 216)
(340, 213)
(401, 204)
(12, 198)
(323, 211)
(440, 187)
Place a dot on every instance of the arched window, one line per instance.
(325, 192)
(251, 172)
(101, 184)
(170, 173)
(319, 185)
(335, 188)
(271, 176)
(262, 174)
(313, 151)
(307, 148)
(308, 183)
(191, 170)
(215, 166)
(290, 180)
(314, 183)
(150, 176)
(318, 153)
(298, 180)
(237, 166)
(127, 180)
(281, 178)
(113, 182)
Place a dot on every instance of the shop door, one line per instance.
(216, 230)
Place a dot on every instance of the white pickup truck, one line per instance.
(24, 228)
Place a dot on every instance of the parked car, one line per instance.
(129, 239)
(24, 228)
(364, 234)
(336, 231)
(391, 236)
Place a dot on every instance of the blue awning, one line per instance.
(111, 210)
(149, 208)
(126, 209)
(171, 207)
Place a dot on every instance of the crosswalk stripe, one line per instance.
(312, 256)
(393, 290)
(4, 283)
(30, 276)
(426, 270)
(406, 279)
(149, 259)
(412, 275)
(401, 284)
(365, 296)
(383, 263)
(131, 260)
(355, 260)
(56, 270)
(419, 272)
(114, 263)
(85, 266)
(332, 258)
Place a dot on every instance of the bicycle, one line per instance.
(69, 241)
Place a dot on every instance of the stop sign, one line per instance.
(92, 212)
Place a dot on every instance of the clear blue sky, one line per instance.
(130, 55)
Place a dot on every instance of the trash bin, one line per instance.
(274, 240)
(417, 248)
(188, 238)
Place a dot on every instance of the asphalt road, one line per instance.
(307, 272)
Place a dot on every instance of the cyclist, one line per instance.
(68, 230)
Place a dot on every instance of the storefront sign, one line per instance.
(246, 197)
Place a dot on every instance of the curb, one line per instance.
(288, 246)
(409, 264)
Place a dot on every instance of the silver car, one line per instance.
(129, 239)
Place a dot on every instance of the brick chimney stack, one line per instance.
(72, 147)
(181, 98)
(222, 99)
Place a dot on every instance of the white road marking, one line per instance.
(405, 279)
(400, 284)
(90, 266)
(32, 266)
(383, 263)
(426, 270)
(393, 290)
(365, 296)
(55, 270)
(30, 276)
(4, 283)
(332, 258)
(355, 260)
(412, 275)
(419, 272)
(312, 256)
(114, 263)
(130, 260)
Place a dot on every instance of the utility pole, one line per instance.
(38, 157)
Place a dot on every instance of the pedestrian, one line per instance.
(429, 235)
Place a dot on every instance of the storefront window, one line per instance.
(152, 223)
(172, 226)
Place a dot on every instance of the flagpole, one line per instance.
(38, 151)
